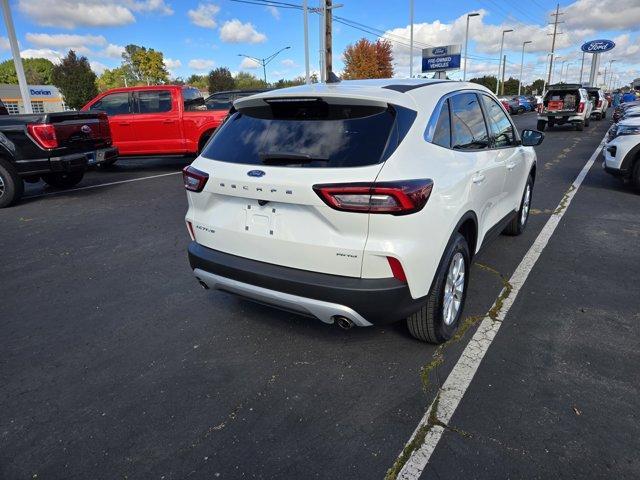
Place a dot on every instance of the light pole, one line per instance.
(610, 74)
(411, 39)
(500, 59)
(264, 61)
(466, 45)
(566, 73)
(582, 68)
(522, 66)
(17, 61)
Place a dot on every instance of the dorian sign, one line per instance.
(598, 46)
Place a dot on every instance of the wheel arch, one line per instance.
(467, 226)
(204, 138)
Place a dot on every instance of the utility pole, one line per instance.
(411, 38)
(305, 21)
(582, 67)
(321, 14)
(553, 40)
(500, 58)
(522, 66)
(17, 61)
(328, 47)
(504, 67)
(466, 46)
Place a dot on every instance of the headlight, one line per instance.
(628, 130)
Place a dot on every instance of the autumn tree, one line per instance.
(144, 66)
(201, 82)
(366, 59)
(36, 70)
(220, 80)
(75, 79)
(114, 78)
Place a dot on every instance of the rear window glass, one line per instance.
(305, 134)
(219, 102)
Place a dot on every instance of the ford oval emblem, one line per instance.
(255, 173)
(440, 51)
(85, 129)
(598, 46)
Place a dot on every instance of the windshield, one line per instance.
(306, 133)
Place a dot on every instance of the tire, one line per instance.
(203, 141)
(63, 180)
(541, 125)
(587, 122)
(552, 123)
(428, 324)
(521, 110)
(604, 114)
(517, 225)
(11, 185)
(580, 126)
(635, 176)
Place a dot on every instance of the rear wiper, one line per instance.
(283, 158)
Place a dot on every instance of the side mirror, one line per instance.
(531, 138)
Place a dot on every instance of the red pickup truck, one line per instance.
(162, 119)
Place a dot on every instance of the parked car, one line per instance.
(359, 202)
(524, 102)
(54, 147)
(622, 151)
(620, 111)
(563, 104)
(163, 119)
(511, 105)
(631, 112)
(224, 100)
(599, 102)
(3, 108)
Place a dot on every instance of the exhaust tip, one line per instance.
(343, 322)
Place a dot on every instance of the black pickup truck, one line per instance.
(55, 147)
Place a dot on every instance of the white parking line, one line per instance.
(458, 381)
(58, 192)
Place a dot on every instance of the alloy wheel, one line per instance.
(453, 289)
(526, 203)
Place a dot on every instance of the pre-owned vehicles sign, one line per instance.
(441, 58)
(598, 46)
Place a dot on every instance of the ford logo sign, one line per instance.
(598, 46)
(255, 173)
(440, 51)
(85, 129)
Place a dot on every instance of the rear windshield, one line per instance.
(562, 99)
(310, 133)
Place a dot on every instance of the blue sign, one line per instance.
(598, 46)
(446, 62)
(255, 173)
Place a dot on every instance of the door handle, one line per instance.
(124, 124)
(168, 121)
(478, 178)
(511, 166)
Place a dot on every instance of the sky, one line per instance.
(196, 36)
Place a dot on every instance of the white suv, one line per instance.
(359, 202)
(622, 150)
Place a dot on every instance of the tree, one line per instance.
(75, 79)
(248, 81)
(366, 59)
(510, 87)
(488, 81)
(536, 86)
(220, 80)
(144, 66)
(113, 78)
(201, 82)
(36, 70)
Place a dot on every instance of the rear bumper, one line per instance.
(364, 301)
(72, 162)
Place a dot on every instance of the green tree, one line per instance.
(144, 66)
(248, 81)
(220, 80)
(36, 70)
(201, 82)
(488, 81)
(366, 59)
(113, 78)
(510, 87)
(536, 86)
(75, 79)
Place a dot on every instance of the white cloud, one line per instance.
(275, 13)
(204, 15)
(234, 31)
(53, 55)
(248, 63)
(201, 64)
(602, 15)
(64, 40)
(98, 67)
(93, 13)
(112, 51)
(288, 63)
(172, 64)
(4, 43)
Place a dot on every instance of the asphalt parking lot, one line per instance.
(114, 363)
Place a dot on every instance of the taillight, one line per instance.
(396, 269)
(194, 179)
(44, 134)
(105, 128)
(192, 234)
(581, 107)
(599, 104)
(396, 198)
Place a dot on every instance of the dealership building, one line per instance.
(44, 98)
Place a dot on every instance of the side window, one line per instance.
(468, 130)
(154, 101)
(193, 100)
(219, 102)
(113, 104)
(442, 131)
(499, 124)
